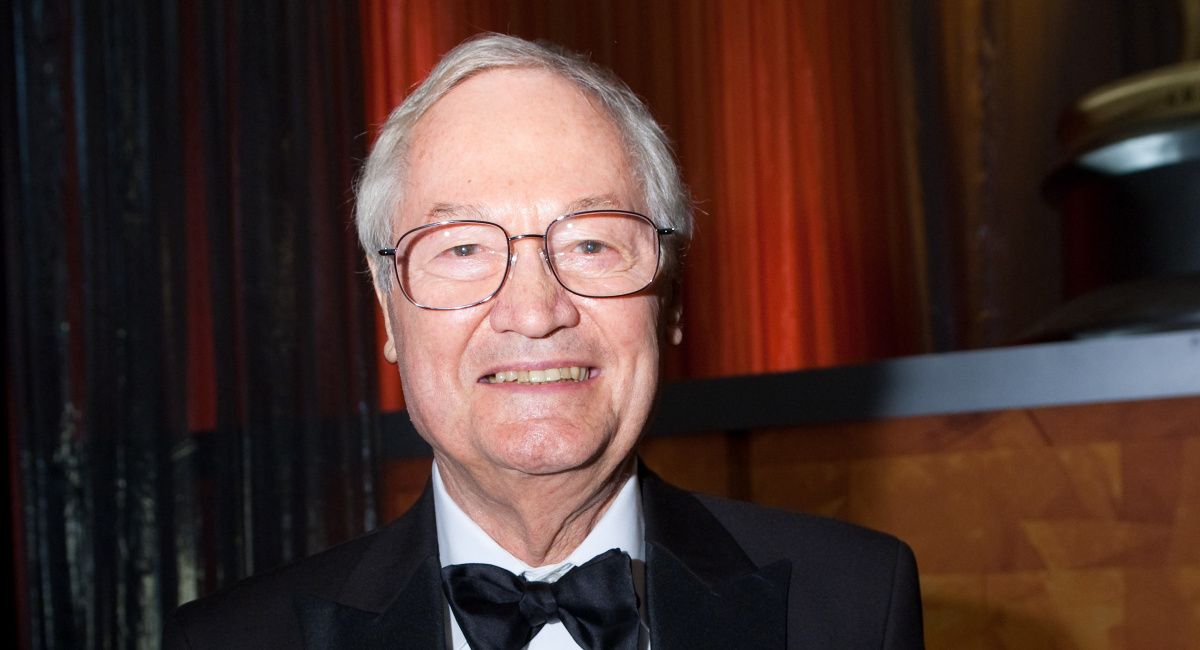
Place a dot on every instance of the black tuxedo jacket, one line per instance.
(719, 574)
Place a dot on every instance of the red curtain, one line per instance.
(790, 119)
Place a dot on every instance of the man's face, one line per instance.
(520, 148)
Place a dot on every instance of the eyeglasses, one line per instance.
(462, 263)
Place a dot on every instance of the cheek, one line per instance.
(430, 346)
(648, 328)
(634, 334)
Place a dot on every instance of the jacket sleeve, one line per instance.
(173, 637)
(905, 627)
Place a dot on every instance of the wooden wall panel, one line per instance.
(1065, 527)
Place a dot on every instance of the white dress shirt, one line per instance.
(462, 541)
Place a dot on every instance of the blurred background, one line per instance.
(193, 378)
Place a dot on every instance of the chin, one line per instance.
(544, 450)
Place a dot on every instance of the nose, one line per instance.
(532, 303)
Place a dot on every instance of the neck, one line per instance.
(538, 519)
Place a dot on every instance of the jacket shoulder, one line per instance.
(258, 612)
(769, 534)
(850, 586)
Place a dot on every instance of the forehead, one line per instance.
(515, 142)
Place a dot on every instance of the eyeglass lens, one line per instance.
(462, 263)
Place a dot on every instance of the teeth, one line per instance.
(569, 373)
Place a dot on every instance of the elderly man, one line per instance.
(524, 219)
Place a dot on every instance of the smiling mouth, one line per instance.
(543, 376)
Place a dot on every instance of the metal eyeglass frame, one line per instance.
(391, 252)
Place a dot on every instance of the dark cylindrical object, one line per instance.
(1129, 195)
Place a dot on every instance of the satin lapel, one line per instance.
(702, 590)
(393, 597)
(412, 620)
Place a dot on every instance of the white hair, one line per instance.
(381, 185)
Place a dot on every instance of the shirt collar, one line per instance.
(462, 541)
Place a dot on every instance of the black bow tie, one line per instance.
(497, 610)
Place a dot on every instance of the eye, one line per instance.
(591, 247)
(465, 250)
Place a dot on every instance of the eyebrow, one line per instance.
(594, 202)
(448, 211)
(444, 211)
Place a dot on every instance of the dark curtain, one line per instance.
(189, 354)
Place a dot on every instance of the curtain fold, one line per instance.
(190, 367)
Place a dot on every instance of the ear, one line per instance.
(675, 328)
(674, 320)
(389, 346)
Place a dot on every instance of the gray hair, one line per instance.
(380, 186)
